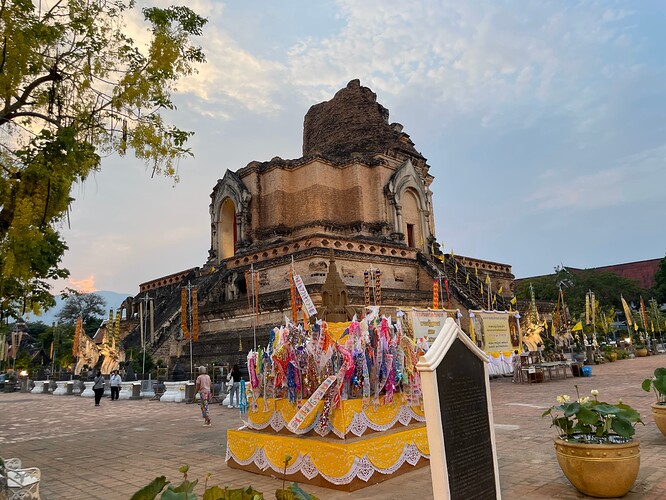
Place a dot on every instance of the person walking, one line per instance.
(114, 383)
(236, 377)
(98, 387)
(203, 387)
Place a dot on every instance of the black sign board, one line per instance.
(463, 404)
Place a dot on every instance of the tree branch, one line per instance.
(8, 111)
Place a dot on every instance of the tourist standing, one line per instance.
(203, 387)
(235, 388)
(114, 383)
(516, 367)
(98, 387)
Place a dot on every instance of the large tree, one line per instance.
(74, 86)
(659, 289)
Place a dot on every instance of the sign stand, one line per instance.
(459, 418)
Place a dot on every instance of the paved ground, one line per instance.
(111, 451)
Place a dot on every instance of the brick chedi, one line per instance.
(359, 196)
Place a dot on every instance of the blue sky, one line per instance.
(544, 124)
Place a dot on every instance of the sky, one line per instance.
(544, 125)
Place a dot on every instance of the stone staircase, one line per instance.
(467, 291)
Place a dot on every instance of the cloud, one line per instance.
(619, 185)
(83, 285)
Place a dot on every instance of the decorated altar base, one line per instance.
(349, 419)
(347, 465)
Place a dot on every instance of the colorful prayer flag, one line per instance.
(578, 327)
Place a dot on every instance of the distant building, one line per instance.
(642, 271)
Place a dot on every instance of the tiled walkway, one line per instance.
(111, 451)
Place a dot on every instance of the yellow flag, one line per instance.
(513, 301)
(456, 268)
(499, 292)
(627, 311)
(481, 288)
(476, 271)
(487, 279)
(452, 254)
(494, 298)
(577, 327)
(466, 278)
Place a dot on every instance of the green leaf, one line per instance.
(186, 486)
(170, 494)
(547, 412)
(150, 491)
(660, 372)
(606, 409)
(623, 427)
(587, 416)
(571, 409)
(660, 384)
(647, 383)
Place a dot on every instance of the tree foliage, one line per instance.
(659, 289)
(89, 306)
(606, 286)
(74, 86)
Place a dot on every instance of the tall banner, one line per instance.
(305, 296)
(494, 331)
(195, 316)
(378, 287)
(77, 336)
(183, 313)
(435, 294)
(627, 311)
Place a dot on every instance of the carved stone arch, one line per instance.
(410, 206)
(229, 216)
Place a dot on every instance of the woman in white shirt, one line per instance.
(114, 383)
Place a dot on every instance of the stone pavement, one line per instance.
(112, 451)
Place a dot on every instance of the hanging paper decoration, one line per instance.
(378, 287)
(587, 308)
(195, 316)
(183, 313)
(435, 294)
(448, 295)
(366, 287)
(292, 292)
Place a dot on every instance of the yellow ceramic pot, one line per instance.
(659, 415)
(642, 352)
(599, 470)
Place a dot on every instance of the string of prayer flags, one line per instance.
(366, 287)
(378, 287)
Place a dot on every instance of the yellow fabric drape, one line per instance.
(332, 458)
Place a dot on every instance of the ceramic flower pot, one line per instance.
(659, 415)
(642, 352)
(599, 470)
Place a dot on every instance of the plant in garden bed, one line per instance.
(588, 420)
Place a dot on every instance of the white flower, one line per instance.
(583, 400)
(594, 392)
(563, 398)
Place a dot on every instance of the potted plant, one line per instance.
(595, 447)
(639, 344)
(658, 384)
(610, 353)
